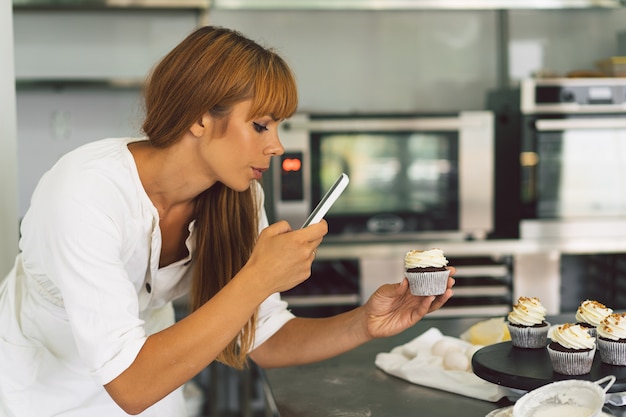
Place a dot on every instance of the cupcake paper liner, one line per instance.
(428, 283)
(612, 352)
(572, 363)
(529, 337)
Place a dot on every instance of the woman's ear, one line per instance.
(201, 126)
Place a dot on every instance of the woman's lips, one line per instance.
(258, 172)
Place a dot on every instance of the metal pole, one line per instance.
(502, 41)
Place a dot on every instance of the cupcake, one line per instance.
(426, 271)
(527, 324)
(590, 313)
(572, 349)
(611, 339)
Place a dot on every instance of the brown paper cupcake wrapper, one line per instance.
(428, 283)
(529, 337)
(572, 363)
(612, 352)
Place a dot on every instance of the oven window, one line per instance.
(409, 175)
(582, 173)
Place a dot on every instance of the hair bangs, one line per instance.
(275, 91)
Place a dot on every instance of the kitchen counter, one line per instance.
(352, 385)
(342, 248)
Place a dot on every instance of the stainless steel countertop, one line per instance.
(330, 249)
(351, 384)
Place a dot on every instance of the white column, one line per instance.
(378, 271)
(8, 143)
(538, 275)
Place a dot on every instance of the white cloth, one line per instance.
(86, 289)
(415, 362)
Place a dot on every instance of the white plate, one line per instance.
(508, 412)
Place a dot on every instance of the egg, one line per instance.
(456, 360)
(443, 346)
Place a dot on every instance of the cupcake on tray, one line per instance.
(572, 349)
(590, 313)
(611, 339)
(527, 324)
(426, 271)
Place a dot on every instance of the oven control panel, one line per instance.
(573, 95)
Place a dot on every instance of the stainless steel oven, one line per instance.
(411, 176)
(561, 152)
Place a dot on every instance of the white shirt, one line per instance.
(86, 289)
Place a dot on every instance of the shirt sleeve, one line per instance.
(273, 314)
(77, 231)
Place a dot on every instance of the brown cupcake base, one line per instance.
(427, 269)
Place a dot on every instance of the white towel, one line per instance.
(415, 363)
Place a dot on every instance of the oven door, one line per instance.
(410, 175)
(574, 167)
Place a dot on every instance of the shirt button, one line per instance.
(148, 287)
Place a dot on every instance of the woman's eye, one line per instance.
(259, 127)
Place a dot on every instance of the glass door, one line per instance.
(579, 168)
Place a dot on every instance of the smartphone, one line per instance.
(328, 200)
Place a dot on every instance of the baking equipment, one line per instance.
(411, 176)
(560, 147)
(529, 369)
(574, 398)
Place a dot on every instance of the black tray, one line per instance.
(527, 369)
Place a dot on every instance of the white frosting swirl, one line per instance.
(527, 312)
(573, 336)
(613, 327)
(592, 312)
(425, 259)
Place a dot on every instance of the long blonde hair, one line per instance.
(210, 71)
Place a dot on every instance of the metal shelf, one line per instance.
(110, 4)
(72, 83)
(321, 300)
(412, 4)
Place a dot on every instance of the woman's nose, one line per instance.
(275, 147)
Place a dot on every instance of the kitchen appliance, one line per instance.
(411, 176)
(572, 398)
(560, 152)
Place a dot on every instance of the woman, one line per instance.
(119, 228)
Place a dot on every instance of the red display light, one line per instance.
(291, 164)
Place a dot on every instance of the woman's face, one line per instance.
(242, 152)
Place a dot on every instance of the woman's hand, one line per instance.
(393, 309)
(282, 257)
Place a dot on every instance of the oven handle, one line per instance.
(568, 124)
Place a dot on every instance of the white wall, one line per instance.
(421, 60)
(359, 61)
(569, 39)
(8, 144)
(84, 45)
(100, 44)
(380, 61)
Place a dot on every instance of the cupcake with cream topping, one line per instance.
(426, 271)
(611, 339)
(527, 324)
(590, 313)
(572, 350)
